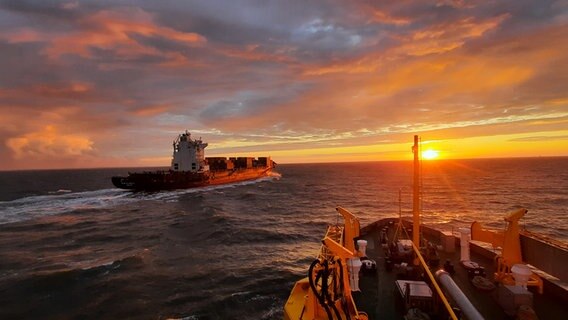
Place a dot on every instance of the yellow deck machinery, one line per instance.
(326, 292)
(511, 255)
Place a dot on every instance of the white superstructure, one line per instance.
(189, 155)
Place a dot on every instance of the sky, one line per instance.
(112, 83)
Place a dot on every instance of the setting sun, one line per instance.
(430, 154)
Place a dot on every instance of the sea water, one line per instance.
(73, 246)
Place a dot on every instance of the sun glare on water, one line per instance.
(430, 154)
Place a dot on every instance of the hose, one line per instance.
(314, 289)
(325, 290)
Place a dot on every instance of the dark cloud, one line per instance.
(53, 10)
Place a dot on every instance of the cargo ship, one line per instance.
(398, 268)
(191, 169)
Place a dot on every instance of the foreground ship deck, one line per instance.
(380, 294)
(399, 269)
(380, 299)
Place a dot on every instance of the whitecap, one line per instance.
(37, 206)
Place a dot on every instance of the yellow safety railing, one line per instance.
(436, 286)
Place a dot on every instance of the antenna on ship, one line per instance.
(416, 197)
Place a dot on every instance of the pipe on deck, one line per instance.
(459, 297)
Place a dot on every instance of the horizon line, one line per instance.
(299, 163)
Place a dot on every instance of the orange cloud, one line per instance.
(72, 90)
(49, 143)
(113, 30)
(22, 35)
(383, 17)
(437, 39)
(254, 53)
(151, 110)
(365, 64)
(454, 76)
(447, 36)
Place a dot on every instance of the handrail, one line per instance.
(436, 286)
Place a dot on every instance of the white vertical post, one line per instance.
(464, 243)
(354, 265)
(362, 244)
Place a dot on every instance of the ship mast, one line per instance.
(416, 195)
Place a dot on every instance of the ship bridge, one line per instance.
(189, 154)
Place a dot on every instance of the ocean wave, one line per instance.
(37, 206)
(64, 274)
(266, 235)
(64, 200)
(60, 191)
(127, 261)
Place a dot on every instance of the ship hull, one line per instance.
(170, 180)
